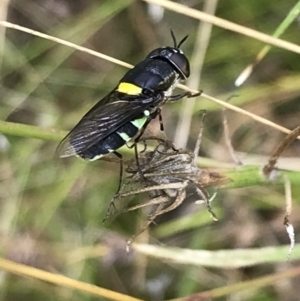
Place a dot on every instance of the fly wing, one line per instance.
(104, 118)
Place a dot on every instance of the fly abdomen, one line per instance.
(116, 139)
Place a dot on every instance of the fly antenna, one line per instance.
(182, 41)
(174, 38)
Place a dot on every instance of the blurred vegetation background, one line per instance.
(52, 209)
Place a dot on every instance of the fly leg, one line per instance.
(162, 125)
(111, 206)
(160, 119)
(136, 140)
(185, 94)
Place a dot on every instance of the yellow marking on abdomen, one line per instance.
(130, 89)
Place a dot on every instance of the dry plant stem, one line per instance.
(202, 192)
(161, 201)
(269, 167)
(119, 62)
(178, 201)
(155, 201)
(159, 211)
(193, 13)
(199, 139)
(241, 111)
(288, 197)
(168, 170)
(196, 14)
(138, 191)
(229, 290)
(3, 14)
(62, 281)
(289, 227)
(293, 14)
(66, 43)
(197, 59)
(230, 148)
(179, 185)
(268, 170)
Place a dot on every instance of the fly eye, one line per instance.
(180, 61)
(175, 57)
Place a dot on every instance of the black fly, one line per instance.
(125, 112)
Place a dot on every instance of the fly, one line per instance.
(125, 112)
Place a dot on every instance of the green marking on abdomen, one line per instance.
(138, 123)
(124, 136)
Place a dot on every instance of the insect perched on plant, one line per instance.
(167, 173)
(125, 112)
